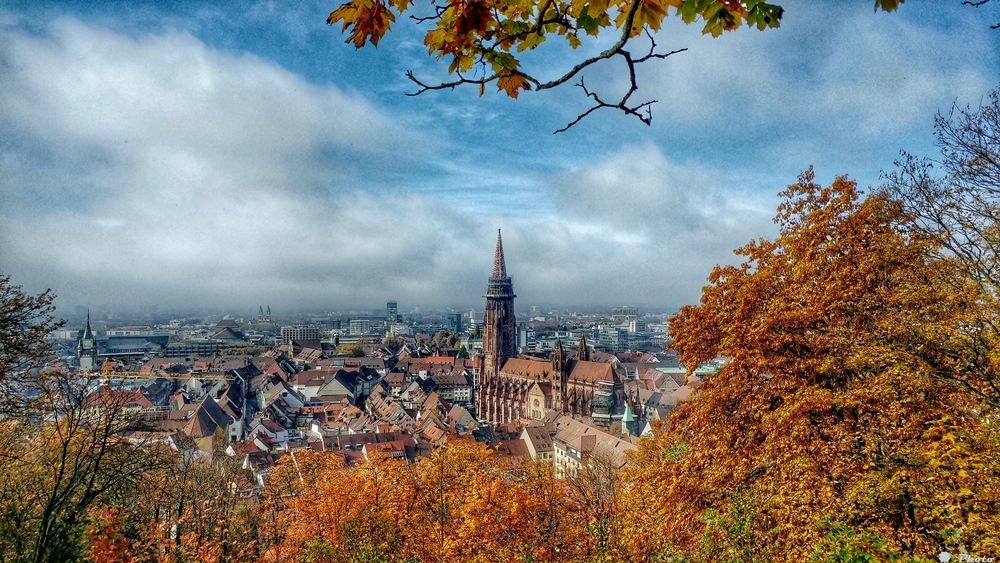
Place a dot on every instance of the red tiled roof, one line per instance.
(590, 372)
(527, 368)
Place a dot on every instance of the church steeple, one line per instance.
(582, 353)
(500, 286)
(499, 339)
(499, 268)
(560, 376)
(87, 333)
(86, 348)
(558, 357)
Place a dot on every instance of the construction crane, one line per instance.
(108, 372)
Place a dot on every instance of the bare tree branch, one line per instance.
(976, 4)
(641, 111)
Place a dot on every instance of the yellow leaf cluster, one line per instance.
(475, 32)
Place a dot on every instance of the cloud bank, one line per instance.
(185, 167)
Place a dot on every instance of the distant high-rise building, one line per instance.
(299, 332)
(613, 339)
(391, 312)
(360, 327)
(525, 337)
(454, 323)
(622, 315)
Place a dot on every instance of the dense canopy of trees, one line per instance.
(830, 425)
(463, 503)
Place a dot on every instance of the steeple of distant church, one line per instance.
(86, 348)
(499, 331)
(87, 333)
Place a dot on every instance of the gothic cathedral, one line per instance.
(510, 388)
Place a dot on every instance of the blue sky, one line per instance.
(192, 153)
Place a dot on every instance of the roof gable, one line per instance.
(590, 372)
(527, 368)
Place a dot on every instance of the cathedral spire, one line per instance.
(499, 268)
(582, 353)
(499, 285)
(87, 333)
(499, 341)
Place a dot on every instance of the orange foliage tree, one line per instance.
(827, 436)
(462, 503)
(186, 507)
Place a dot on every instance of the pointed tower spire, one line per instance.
(582, 353)
(499, 285)
(499, 341)
(499, 268)
(627, 420)
(560, 375)
(87, 333)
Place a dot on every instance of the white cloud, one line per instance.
(154, 167)
(634, 227)
(860, 73)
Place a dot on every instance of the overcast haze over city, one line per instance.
(192, 154)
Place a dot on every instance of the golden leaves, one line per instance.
(512, 83)
(368, 20)
(461, 503)
(837, 333)
(476, 32)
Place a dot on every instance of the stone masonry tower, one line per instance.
(499, 336)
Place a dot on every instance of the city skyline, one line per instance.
(181, 156)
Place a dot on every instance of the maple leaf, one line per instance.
(473, 16)
(512, 83)
(367, 20)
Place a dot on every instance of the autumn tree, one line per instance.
(191, 506)
(481, 507)
(71, 455)
(463, 502)
(443, 339)
(955, 201)
(489, 42)
(61, 452)
(334, 513)
(829, 430)
(593, 493)
(25, 322)
(351, 350)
